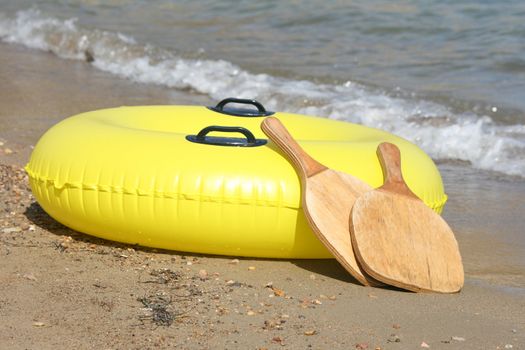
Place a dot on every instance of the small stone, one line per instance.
(425, 345)
(234, 261)
(394, 338)
(230, 282)
(29, 276)
(317, 302)
(305, 303)
(509, 346)
(278, 292)
(222, 311)
(312, 277)
(38, 324)
(251, 268)
(8, 150)
(372, 296)
(88, 56)
(189, 263)
(250, 313)
(361, 346)
(12, 230)
(458, 338)
(310, 332)
(278, 340)
(203, 274)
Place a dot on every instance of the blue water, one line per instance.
(447, 75)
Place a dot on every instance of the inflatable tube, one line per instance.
(160, 176)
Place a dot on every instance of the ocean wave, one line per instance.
(436, 128)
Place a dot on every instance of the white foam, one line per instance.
(434, 127)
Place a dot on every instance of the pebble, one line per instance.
(29, 276)
(38, 324)
(310, 332)
(12, 230)
(394, 338)
(278, 340)
(234, 261)
(278, 292)
(508, 346)
(361, 346)
(458, 338)
(425, 345)
(203, 274)
(251, 268)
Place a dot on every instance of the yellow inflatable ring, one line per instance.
(144, 175)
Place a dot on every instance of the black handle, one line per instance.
(261, 111)
(249, 136)
(250, 140)
(260, 107)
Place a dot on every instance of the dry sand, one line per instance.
(63, 289)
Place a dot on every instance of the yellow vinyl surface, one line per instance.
(129, 174)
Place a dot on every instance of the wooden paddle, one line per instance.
(328, 196)
(400, 241)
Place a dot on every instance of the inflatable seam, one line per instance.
(156, 194)
(437, 206)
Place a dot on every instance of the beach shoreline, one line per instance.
(57, 283)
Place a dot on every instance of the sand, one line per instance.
(63, 289)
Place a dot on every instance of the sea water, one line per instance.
(446, 75)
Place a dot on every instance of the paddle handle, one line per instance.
(275, 130)
(390, 159)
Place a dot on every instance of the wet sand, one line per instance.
(63, 289)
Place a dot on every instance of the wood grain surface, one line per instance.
(328, 196)
(398, 240)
